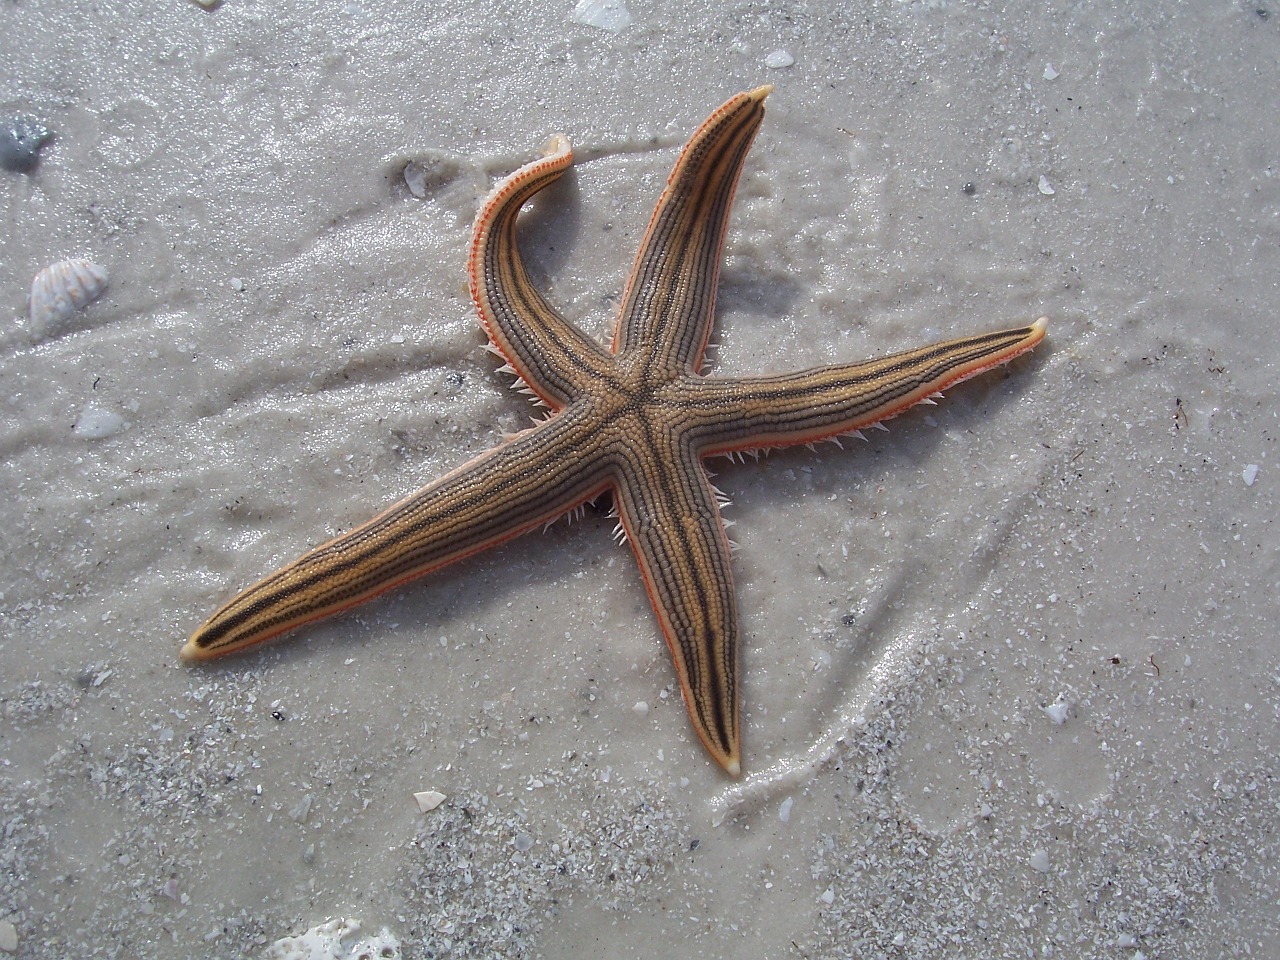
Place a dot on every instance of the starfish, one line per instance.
(636, 421)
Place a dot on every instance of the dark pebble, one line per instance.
(20, 141)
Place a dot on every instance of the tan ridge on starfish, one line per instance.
(636, 421)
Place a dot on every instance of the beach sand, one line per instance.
(1011, 674)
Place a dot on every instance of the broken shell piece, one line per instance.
(611, 15)
(94, 423)
(429, 800)
(339, 939)
(60, 290)
(429, 171)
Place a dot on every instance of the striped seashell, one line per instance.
(58, 291)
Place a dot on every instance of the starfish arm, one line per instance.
(545, 350)
(746, 413)
(669, 302)
(672, 521)
(533, 478)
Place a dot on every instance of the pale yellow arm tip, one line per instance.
(1040, 325)
(190, 653)
(557, 145)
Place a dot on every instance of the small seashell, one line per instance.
(60, 290)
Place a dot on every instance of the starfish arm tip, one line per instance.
(190, 653)
(557, 145)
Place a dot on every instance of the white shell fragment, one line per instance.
(1045, 187)
(8, 937)
(611, 15)
(58, 291)
(94, 423)
(429, 800)
(429, 171)
(1249, 474)
(1057, 712)
(779, 60)
(335, 940)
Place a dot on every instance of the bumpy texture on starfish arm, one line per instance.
(636, 420)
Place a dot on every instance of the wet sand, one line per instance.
(1011, 676)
